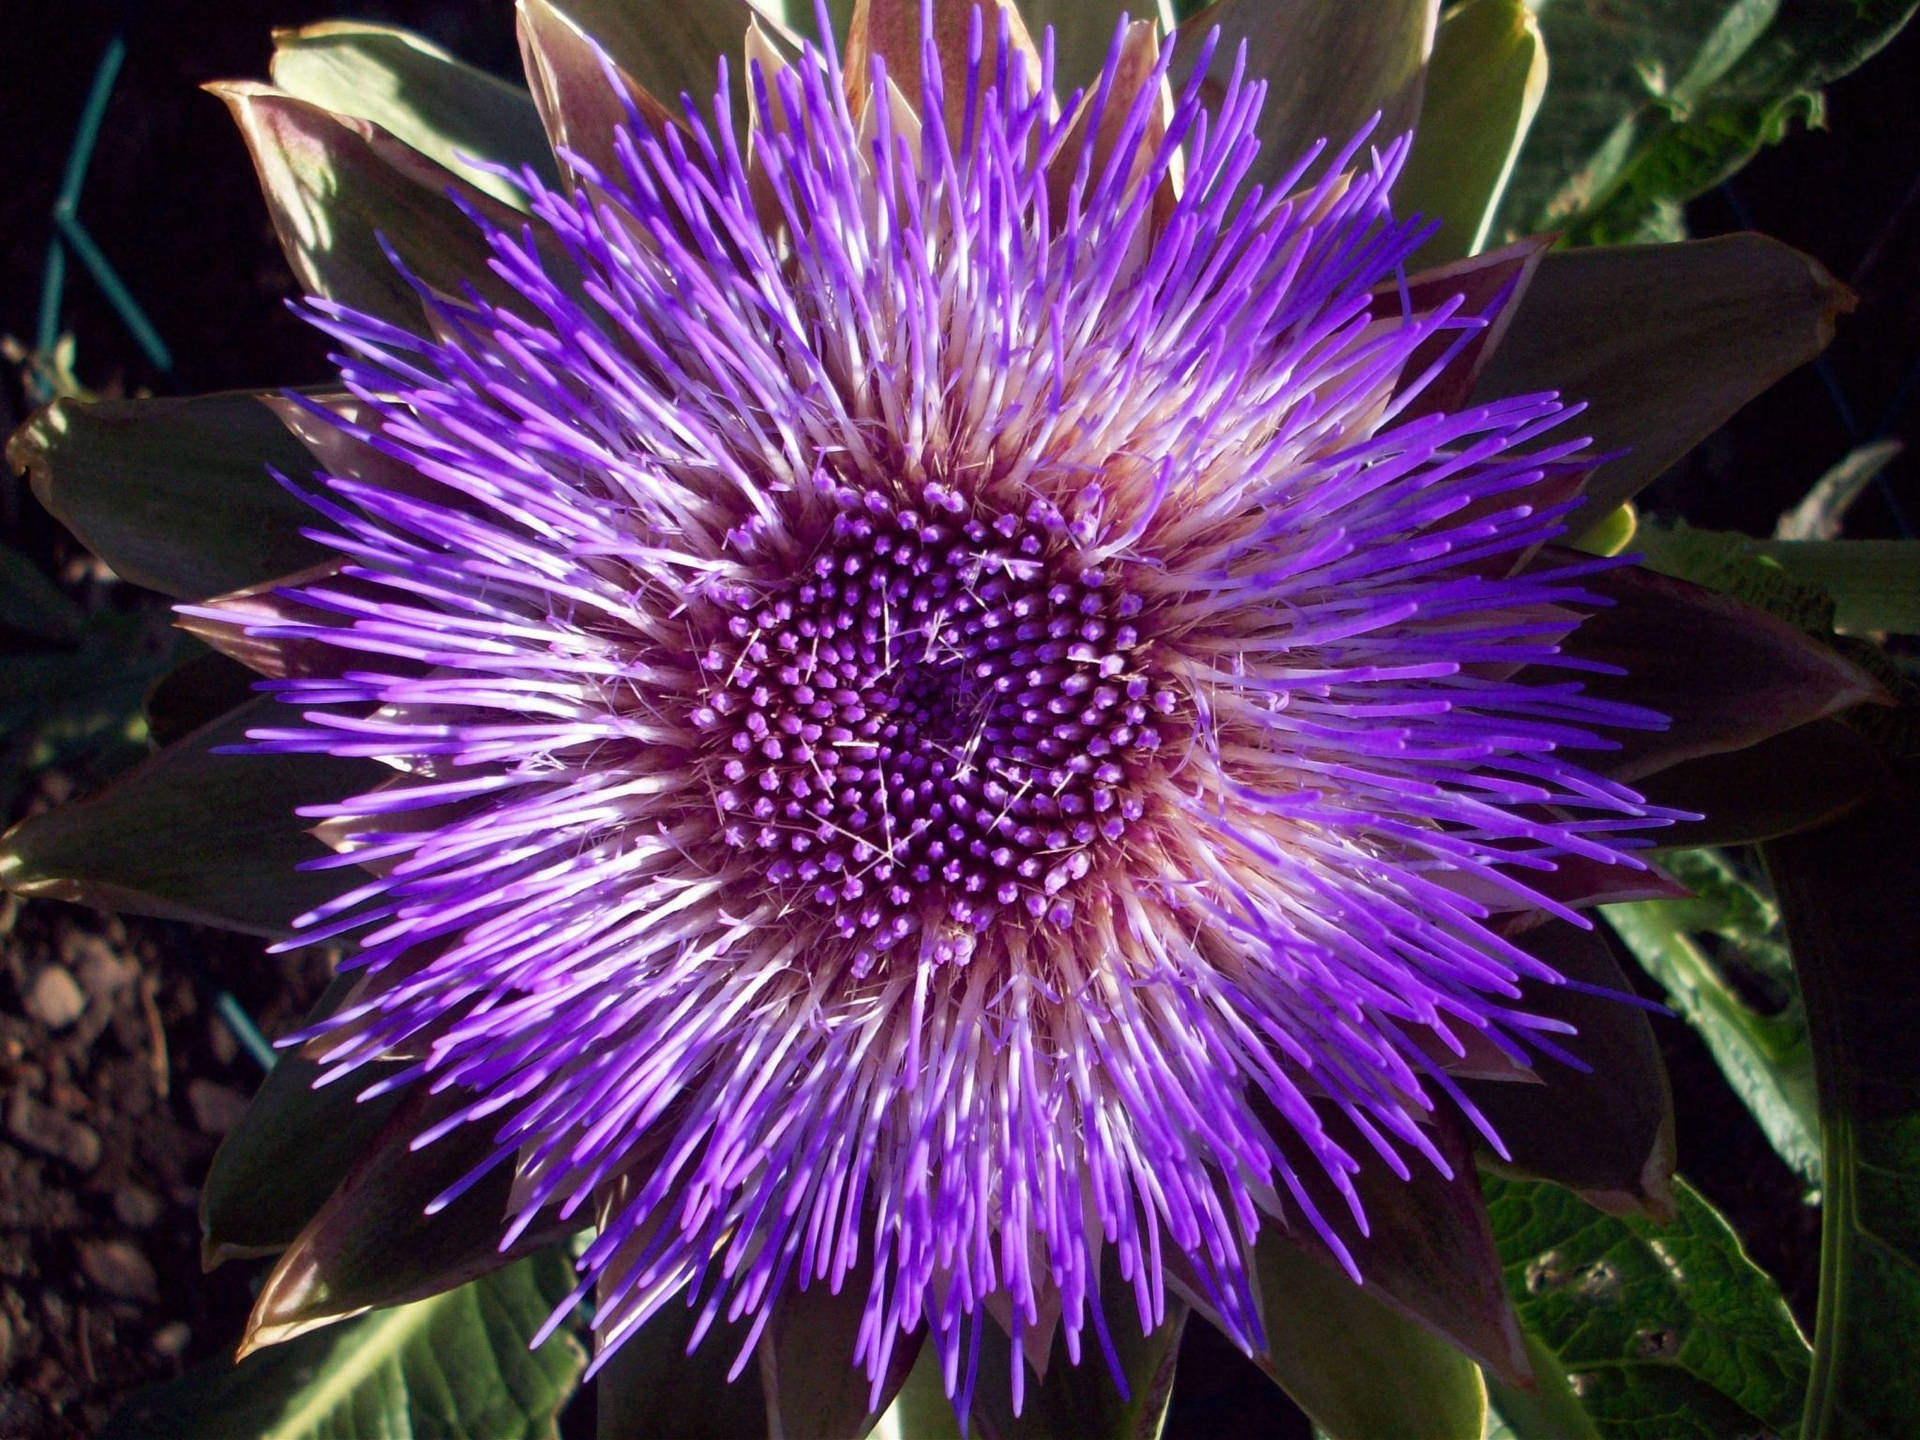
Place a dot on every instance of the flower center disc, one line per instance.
(941, 714)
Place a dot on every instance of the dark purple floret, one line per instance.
(938, 715)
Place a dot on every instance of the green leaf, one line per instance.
(337, 185)
(1729, 565)
(1606, 1131)
(1083, 33)
(1359, 1369)
(1484, 83)
(1081, 1402)
(1662, 343)
(1613, 66)
(1792, 781)
(442, 107)
(1875, 584)
(1820, 585)
(1377, 51)
(1765, 1054)
(1719, 125)
(652, 1386)
(374, 1243)
(290, 1151)
(455, 1367)
(31, 605)
(192, 834)
(174, 494)
(1852, 910)
(1654, 101)
(1664, 1333)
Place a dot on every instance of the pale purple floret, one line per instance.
(918, 739)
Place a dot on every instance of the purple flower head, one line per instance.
(952, 696)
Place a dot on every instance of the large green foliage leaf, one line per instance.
(1763, 1050)
(1875, 584)
(1819, 585)
(1660, 1332)
(1727, 563)
(1852, 912)
(1654, 101)
(455, 1367)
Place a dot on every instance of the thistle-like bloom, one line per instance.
(954, 695)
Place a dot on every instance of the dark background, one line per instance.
(172, 201)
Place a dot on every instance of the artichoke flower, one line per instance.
(936, 679)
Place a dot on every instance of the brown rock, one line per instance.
(136, 1206)
(45, 1129)
(221, 1040)
(118, 1267)
(103, 975)
(77, 947)
(55, 998)
(216, 1108)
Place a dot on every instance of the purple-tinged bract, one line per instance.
(943, 686)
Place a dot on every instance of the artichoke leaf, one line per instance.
(1606, 1132)
(1662, 343)
(338, 186)
(1484, 83)
(456, 115)
(1083, 33)
(373, 1244)
(192, 834)
(174, 494)
(1727, 674)
(1356, 1366)
(290, 1151)
(813, 1388)
(1429, 1251)
(1378, 51)
(456, 1365)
